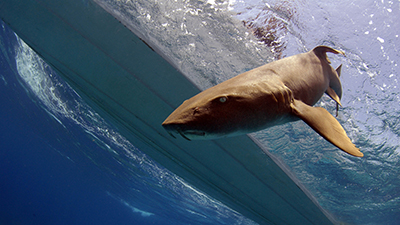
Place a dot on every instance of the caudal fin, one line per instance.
(326, 125)
(321, 51)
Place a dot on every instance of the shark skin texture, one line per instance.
(276, 93)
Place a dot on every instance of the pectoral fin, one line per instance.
(326, 125)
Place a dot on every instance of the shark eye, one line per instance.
(223, 99)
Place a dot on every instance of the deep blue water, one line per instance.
(61, 163)
(39, 184)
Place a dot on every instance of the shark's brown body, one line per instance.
(276, 93)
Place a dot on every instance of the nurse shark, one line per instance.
(276, 93)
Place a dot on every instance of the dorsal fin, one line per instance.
(338, 71)
(335, 88)
(333, 95)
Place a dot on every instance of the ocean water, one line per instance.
(61, 163)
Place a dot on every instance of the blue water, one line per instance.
(61, 163)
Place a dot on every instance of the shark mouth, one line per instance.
(196, 133)
(184, 136)
(179, 131)
(190, 133)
